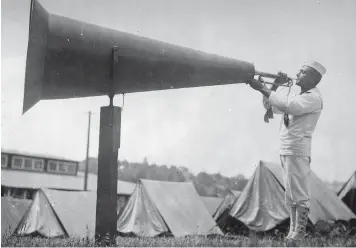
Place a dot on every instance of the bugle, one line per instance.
(288, 83)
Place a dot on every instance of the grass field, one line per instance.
(181, 242)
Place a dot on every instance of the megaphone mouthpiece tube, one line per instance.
(270, 75)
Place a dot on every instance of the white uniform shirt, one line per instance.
(304, 111)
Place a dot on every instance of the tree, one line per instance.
(206, 184)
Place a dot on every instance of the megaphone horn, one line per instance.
(68, 58)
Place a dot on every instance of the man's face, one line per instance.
(304, 77)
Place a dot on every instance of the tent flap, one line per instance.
(226, 204)
(12, 211)
(348, 193)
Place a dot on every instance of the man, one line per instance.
(300, 116)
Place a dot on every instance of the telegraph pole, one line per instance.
(87, 159)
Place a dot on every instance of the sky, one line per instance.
(218, 129)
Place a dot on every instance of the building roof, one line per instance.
(38, 155)
(36, 180)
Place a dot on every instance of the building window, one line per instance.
(71, 168)
(28, 163)
(17, 193)
(52, 166)
(29, 194)
(3, 191)
(61, 167)
(17, 162)
(3, 160)
(38, 164)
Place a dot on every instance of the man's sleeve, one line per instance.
(295, 105)
(267, 105)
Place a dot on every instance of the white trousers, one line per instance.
(296, 176)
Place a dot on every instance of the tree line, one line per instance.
(206, 184)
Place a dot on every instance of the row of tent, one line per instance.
(156, 208)
(261, 205)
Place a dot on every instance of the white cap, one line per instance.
(317, 66)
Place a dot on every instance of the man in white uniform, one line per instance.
(300, 116)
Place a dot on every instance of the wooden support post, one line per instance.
(109, 144)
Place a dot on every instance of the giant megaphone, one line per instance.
(67, 58)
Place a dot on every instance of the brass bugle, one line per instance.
(270, 75)
(275, 76)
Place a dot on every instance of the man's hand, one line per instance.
(256, 84)
(282, 79)
(259, 86)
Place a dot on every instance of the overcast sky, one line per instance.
(212, 129)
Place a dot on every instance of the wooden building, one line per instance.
(23, 173)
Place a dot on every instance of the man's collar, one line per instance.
(315, 89)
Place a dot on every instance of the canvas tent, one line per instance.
(157, 207)
(55, 213)
(211, 203)
(12, 211)
(348, 193)
(236, 193)
(261, 205)
(226, 203)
